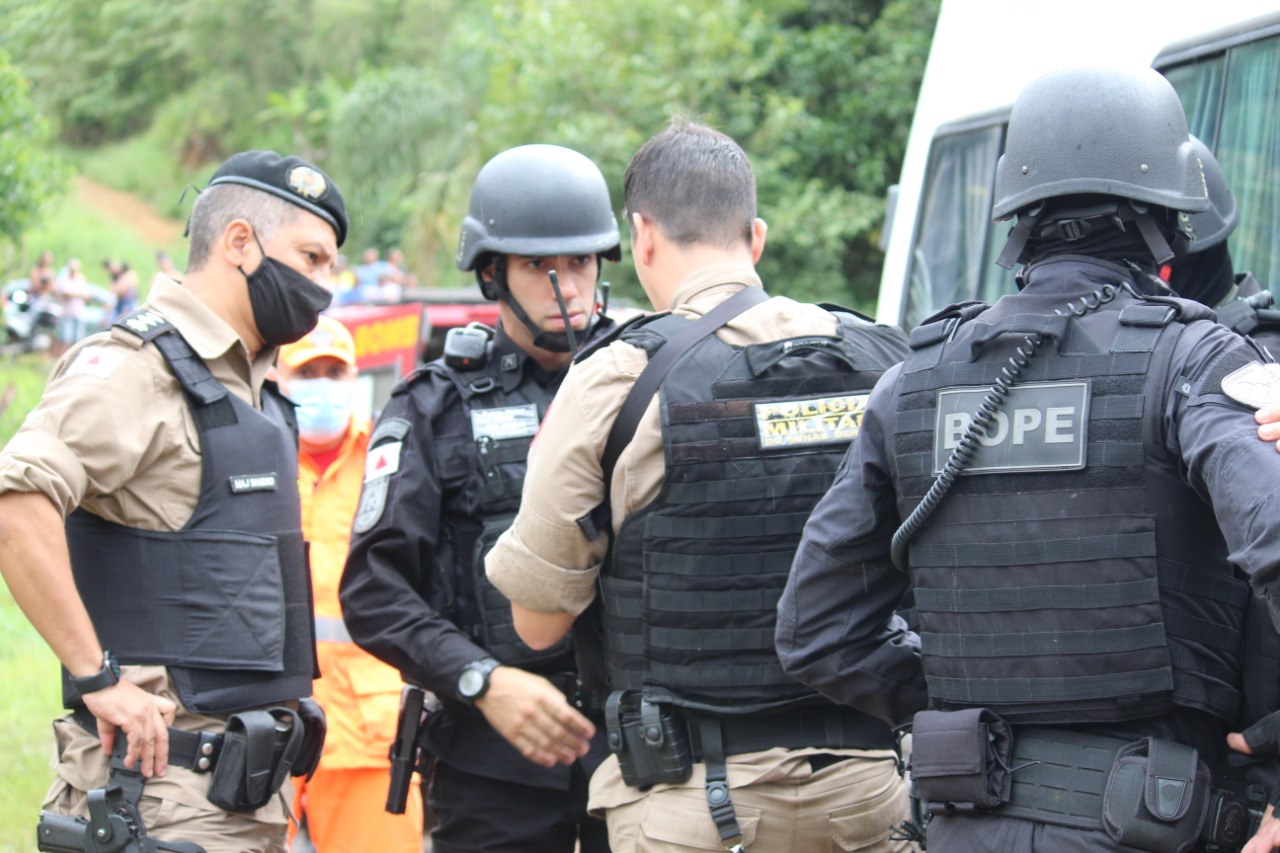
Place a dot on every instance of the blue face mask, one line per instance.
(324, 408)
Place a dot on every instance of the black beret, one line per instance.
(292, 179)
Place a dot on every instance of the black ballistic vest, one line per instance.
(502, 424)
(752, 437)
(225, 602)
(1070, 575)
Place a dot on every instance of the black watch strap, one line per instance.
(107, 677)
(474, 681)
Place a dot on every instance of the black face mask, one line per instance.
(286, 304)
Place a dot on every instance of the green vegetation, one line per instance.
(29, 174)
(402, 101)
(28, 670)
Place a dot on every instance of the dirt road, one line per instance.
(129, 210)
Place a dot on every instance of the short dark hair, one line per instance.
(695, 184)
(219, 206)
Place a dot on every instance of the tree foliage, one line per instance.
(29, 174)
(404, 100)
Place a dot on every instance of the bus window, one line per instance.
(1232, 99)
(1249, 150)
(951, 243)
(1199, 86)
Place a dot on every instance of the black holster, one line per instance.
(113, 827)
(650, 740)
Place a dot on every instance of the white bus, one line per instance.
(1222, 56)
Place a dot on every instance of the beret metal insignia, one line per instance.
(307, 182)
(1256, 385)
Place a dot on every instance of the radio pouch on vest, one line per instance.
(258, 752)
(1157, 796)
(960, 759)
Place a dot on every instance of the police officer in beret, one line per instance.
(1070, 485)
(150, 526)
(514, 740)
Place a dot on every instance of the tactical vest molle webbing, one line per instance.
(225, 602)
(752, 438)
(1070, 575)
(502, 425)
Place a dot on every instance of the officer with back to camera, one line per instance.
(1205, 272)
(513, 740)
(175, 592)
(1064, 481)
(726, 415)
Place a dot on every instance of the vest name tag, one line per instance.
(1039, 426)
(505, 422)
(242, 483)
(796, 423)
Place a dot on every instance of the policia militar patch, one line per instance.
(1041, 425)
(785, 424)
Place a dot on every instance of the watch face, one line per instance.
(470, 682)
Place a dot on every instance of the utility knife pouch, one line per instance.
(960, 759)
(1156, 796)
(258, 750)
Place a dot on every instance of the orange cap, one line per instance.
(329, 338)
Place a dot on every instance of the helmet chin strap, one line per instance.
(565, 341)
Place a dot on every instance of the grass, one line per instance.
(29, 696)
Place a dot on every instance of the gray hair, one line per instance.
(219, 206)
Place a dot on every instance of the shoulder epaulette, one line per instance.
(144, 323)
(942, 325)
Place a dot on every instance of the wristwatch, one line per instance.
(109, 676)
(474, 680)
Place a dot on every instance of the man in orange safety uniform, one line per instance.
(344, 801)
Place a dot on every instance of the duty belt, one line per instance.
(1060, 777)
(196, 751)
(831, 727)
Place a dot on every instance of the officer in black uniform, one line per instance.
(446, 465)
(1206, 274)
(1064, 481)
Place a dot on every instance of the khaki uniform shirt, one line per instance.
(544, 562)
(113, 434)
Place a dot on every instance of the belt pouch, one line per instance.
(1156, 796)
(315, 728)
(651, 740)
(960, 759)
(258, 750)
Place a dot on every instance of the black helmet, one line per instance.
(538, 200)
(1214, 225)
(1099, 131)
